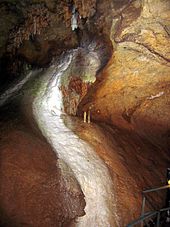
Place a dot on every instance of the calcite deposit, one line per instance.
(128, 43)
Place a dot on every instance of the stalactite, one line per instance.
(67, 16)
(35, 27)
(37, 18)
(84, 117)
(88, 117)
(85, 8)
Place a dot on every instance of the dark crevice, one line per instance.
(128, 114)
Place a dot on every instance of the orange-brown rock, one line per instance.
(33, 189)
(133, 91)
(134, 163)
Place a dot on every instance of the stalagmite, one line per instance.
(88, 117)
(85, 115)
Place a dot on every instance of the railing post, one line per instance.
(157, 213)
(158, 219)
(143, 207)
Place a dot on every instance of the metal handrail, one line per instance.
(156, 189)
(147, 215)
(149, 191)
(142, 218)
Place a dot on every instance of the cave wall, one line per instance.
(133, 91)
(34, 32)
(36, 189)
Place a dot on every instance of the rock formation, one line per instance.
(33, 189)
(132, 91)
(129, 100)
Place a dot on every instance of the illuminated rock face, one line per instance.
(89, 170)
(33, 190)
(134, 163)
(132, 92)
(134, 88)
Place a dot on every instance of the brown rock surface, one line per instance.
(8, 21)
(133, 91)
(86, 8)
(134, 163)
(29, 26)
(33, 190)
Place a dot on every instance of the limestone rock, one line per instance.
(34, 191)
(134, 163)
(8, 20)
(86, 8)
(133, 91)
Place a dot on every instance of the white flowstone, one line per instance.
(89, 169)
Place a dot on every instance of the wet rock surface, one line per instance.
(33, 190)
